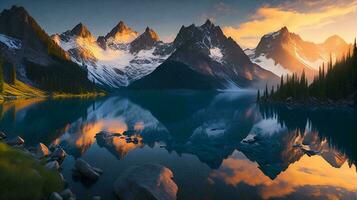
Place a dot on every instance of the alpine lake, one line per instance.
(217, 145)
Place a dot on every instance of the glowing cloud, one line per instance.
(269, 19)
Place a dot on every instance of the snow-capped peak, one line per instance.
(275, 34)
(145, 41)
(81, 31)
(121, 34)
(109, 60)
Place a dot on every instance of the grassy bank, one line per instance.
(20, 90)
(22, 177)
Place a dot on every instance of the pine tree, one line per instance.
(1, 77)
(258, 96)
(12, 74)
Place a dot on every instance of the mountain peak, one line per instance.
(208, 23)
(284, 30)
(151, 34)
(121, 34)
(81, 30)
(121, 25)
(335, 40)
(145, 41)
(119, 28)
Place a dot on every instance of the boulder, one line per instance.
(53, 165)
(59, 153)
(148, 181)
(55, 196)
(15, 141)
(87, 170)
(2, 135)
(67, 194)
(42, 151)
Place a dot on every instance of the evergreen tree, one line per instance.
(12, 74)
(258, 96)
(1, 77)
(339, 81)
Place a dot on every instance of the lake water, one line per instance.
(218, 145)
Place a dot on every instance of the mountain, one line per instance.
(283, 52)
(120, 34)
(117, 59)
(175, 75)
(208, 52)
(145, 41)
(37, 59)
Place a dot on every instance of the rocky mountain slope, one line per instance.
(37, 59)
(283, 52)
(208, 52)
(117, 59)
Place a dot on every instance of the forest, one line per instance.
(335, 81)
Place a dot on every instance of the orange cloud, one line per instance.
(269, 19)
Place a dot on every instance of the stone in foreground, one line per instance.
(15, 141)
(148, 181)
(59, 153)
(42, 151)
(55, 196)
(2, 135)
(53, 165)
(87, 170)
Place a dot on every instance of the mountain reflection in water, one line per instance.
(219, 146)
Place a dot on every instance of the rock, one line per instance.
(42, 151)
(148, 181)
(96, 198)
(53, 165)
(15, 141)
(55, 196)
(87, 170)
(99, 171)
(66, 194)
(289, 99)
(2, 135)
(59, 153)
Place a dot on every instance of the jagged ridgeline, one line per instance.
(38, 60)
(335, 82)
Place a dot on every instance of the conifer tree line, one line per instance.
(11, 75)
(334, 81)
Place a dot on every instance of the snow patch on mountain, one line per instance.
(267, 63)
(216, 54)
(315, 65)
(10, 42)
(114, 66)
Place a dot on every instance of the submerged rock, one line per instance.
(59, 153)
(55, 196)
(53, 165)
(96, 198)
(2, 135)
(148, 181)
(87, 170)
(15, 141)
(42, 151)
(67, 194)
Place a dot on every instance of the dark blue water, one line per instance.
(218, 145)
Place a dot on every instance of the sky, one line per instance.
(246, 21)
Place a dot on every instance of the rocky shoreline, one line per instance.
(51, 158)
(145, 181)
